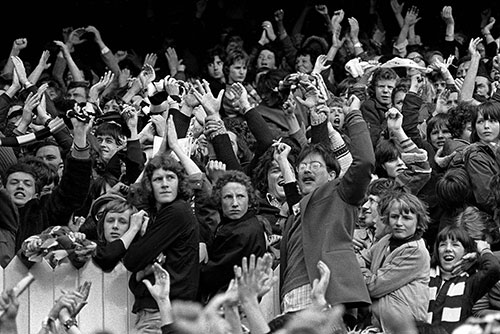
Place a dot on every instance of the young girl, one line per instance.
(452, 295)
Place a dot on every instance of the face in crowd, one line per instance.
(234, 200)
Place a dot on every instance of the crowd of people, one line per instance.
(367, 169)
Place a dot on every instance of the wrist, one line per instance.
(27, 84)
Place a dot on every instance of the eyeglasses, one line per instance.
(313, 166)
(416, 59)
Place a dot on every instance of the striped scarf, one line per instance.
(446, 298)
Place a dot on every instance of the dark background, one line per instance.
(142, 25)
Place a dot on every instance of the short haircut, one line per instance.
(455, 233)
(479, 224)
(409, 203)
(453, 189)
(381, 186)
(332, 164)
(21, 167)
(489, 110)
(232, 57)
(266, 88)
(45, 173)
(237, 177)
(381, 73)
(110, 129)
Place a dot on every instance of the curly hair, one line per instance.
(259, 173)
(408, 203)
(166, 162)
(382, 73)
(237, 177)
(459, 116)
(114, 206)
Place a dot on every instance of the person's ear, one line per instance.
(332, 175)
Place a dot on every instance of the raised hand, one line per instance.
(172, 139)
(397, 7)
(151, 59)
(254, 279)
(203, 94)
(354, 31)
(240, 97)
(95, 33)
(215, 169)
(447, 15)
(44, 58)
(320, 285)
(474, 42)
(268, 28)
(394, 120)
(320, 64)
(411, 17)
(281, 151)
(174, 63)
(101, 85)
(279, 15)
(19, 44)
(321, 9)
(20, 70)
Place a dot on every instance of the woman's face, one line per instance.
(115, 225)
(403, 224)
(275, 181)
(266, 59)
(439, 135)
(165, 184)
(450, 252)
(215, 68)
(487, 130)
(394, 167)
(234, 200)
(237, 71)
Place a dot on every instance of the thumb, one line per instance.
(220, 95)
(148, 284)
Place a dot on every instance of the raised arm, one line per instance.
(18, 45)
(467, 90)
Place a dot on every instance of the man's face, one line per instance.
(21, 188)
(51, 155)
(108, 146)
(383, 91)
(482, 87)
(237, 71)
(336, 117)
(312, 173)
(275, 181)
(78, 94)
(462, 69)
(368, 214)
(266, 59)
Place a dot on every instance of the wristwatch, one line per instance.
(69, 323)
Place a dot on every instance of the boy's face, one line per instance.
(108, 146)
(383, 91)
(21, 188)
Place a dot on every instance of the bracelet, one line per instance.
(70, 323)
(81, 149)
(176, 98)
(46, 124)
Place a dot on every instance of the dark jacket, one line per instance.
(173, 231)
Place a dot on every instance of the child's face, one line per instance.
(403, 224)
(439, 135)
(383, 91)
(116, 224)
(336, 117)
(450, 252)
(108, 146)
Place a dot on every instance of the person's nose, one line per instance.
(234, 203)
(115, 225)
(365, 205)
(486, 124)
(400, 162)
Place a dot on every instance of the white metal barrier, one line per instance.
(109, 304)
